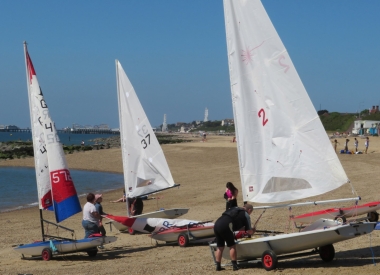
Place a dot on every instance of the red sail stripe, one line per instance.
(31, 70)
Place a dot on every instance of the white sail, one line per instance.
(55, 187)
(36, 108)
(284, 151)
(145, 167)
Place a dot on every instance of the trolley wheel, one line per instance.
(341, 219)
(92, 252)
(131, 231)
(373, 216)
(183, 240)
(47, 254)
(269, 260)
(327, 252)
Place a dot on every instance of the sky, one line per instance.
(174, 53)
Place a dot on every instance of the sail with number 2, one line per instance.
(284, 152)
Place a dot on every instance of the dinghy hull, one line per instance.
(64, 246)
(249, 249)
(164, 214)
(332, 213)
(205, 230)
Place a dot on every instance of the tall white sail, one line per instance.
(36, 108)
(145, 167)
(55, 187)
(284, 151)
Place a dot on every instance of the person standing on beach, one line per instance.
(230, 195)
(335, 145)
(232, 220)
(99, 209)
(91, 217)
(356, 143)
(366, 144)
(346, 146)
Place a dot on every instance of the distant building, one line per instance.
(362, 127)
(374, 110)
(227, 122)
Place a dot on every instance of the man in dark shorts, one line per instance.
(234, 219)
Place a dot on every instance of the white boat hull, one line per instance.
(164, 214)
(197, 233)
(249, 249)
(64, 246)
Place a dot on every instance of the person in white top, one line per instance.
(91, 217)
(366, 144)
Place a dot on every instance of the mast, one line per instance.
(121, 132)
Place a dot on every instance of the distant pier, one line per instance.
(71, 131)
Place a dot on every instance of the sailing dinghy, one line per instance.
(284, 153)
(56, 190)
(145, 168)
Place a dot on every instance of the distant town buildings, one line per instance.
(362, 127)
(374, 110)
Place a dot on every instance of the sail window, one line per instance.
(278, 184)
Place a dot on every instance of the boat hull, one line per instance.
(332, 213)
(164, 214)
(249, 249)
(64, 246)
(171, 235)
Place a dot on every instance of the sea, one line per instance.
(18, 187)
(66, 138)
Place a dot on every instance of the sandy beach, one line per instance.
(202, 169)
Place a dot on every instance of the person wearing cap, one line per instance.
(234, 219)
(99, 209)
(91, 217)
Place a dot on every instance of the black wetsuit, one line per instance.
(232, 220)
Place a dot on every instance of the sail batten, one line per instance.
(282, 145)
(145, 168)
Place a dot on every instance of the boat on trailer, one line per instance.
(56, 190)
(144, 165)
(284, 152)
(169, 230)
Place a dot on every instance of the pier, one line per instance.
(71, 131)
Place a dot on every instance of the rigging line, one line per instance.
(254, 226)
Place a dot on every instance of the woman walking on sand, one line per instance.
(230, 195)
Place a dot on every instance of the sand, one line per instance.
(202, 169)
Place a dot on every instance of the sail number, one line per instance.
(262, 113)
(59, 175)
(144, 133)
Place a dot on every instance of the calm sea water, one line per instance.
(66, 138)
(19, 190)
